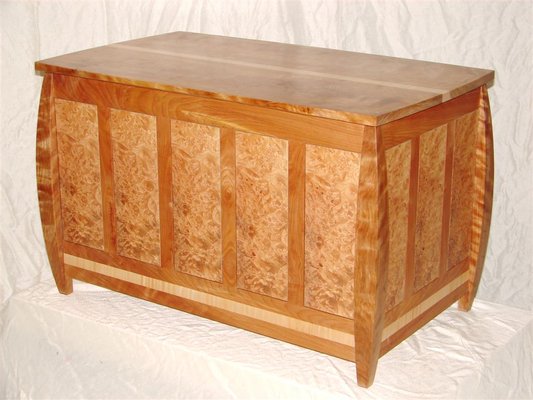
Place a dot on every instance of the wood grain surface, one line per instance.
(48, 185)
(224, 114)
(420, 318)
(108, 182)
(372, 254)
(413, 126)
(297, 157)
(165, 188)
(134, 138)
(429, 206)
(447, 199)
(228, 219)
(262, 214)
(79, 170)
(422, 306)
(331, 180)
(462, 188)
(215, 288)
(398, 181)
(276, 328)
(412, 300)
(349, 86)
(483, 191)
(237, 308)
(196, 199)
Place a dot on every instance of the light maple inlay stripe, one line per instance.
(422, 307)
(299, 71)
(79, 168)
(212, 300)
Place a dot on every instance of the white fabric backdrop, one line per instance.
(488, 34)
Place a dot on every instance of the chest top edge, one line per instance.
(334, 84)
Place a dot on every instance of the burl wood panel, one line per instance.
(79, 169)
(134, 140)
(398, 181)
(428, 233)
(262, 217)
(196, 199)
(331, 181)
(462, 189)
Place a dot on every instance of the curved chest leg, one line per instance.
(482, 201)
(48, 186)
(371, 257)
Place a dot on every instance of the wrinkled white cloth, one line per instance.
(99, 344)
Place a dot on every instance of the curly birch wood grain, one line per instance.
(482, 202)
(79, 169)
(429, 205)
(331, 205)
(372, 254)
(262, 216)
(398, 180)
(134, 139)
(48, 185)
(196, 199)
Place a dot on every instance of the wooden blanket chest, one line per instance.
(331, 199)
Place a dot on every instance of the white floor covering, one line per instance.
(100, 344)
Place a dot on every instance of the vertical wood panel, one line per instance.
(262, 214)
(228, 220)
(297, 156)
(462, 189)
(164, 173)
(331, 205)
(398, 172)
(429, 206)
(196, 197)
(79, 169)
(48, 188)
(134, 138)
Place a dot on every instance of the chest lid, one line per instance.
(357, 87)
